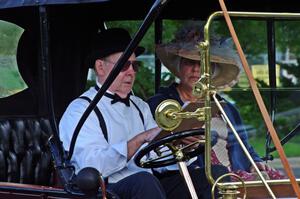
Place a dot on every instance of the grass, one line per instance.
(291, 148)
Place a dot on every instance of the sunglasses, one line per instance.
(135, 65)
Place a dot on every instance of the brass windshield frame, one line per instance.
(208, 93)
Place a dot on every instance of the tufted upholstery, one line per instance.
(24, 153)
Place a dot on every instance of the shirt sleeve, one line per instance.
(149, 120)
(91, 148)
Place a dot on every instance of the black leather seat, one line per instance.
(24, 153)
(28, 153)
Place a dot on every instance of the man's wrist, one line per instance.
(146, 137)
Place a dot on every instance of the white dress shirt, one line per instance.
(91, 148)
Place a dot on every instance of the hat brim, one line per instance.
(226, 72)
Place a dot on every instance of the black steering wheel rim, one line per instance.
(167, 139)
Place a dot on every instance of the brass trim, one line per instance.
(242, 145)
(170, 115)
(229, 191)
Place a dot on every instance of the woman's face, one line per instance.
(189, 72)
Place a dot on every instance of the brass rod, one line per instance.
(260, 102)
(242, 145)
(185, 173)
(206, 77)
(260, 15)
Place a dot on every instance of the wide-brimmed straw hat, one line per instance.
(226, 65)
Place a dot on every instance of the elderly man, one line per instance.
(108, 142)
(118, 127)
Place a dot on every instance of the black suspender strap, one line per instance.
(102, 126)
(101, 122)
(100, 117)
(139, 110)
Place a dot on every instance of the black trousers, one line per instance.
(175, 186)
(171, 185)
(142, 185)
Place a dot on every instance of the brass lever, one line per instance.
(169, 115)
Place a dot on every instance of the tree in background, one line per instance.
(11, 81)
(9, 36)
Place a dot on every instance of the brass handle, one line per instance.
(169, 115)
(164, 115)
(200, 88)
(229, 191)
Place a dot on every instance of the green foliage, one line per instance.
(286, 122)
(169, 27)
(251, 34)
(290, 148)
(10, 79)
(9, 37)
(167, 79)
(288, 36)
(90, 83)
(292, 69)
(247, 106)
(145, 81)
(143, 86)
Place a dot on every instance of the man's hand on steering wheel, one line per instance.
(167, 153)
(151, 134)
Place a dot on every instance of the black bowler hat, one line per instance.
(110, 41)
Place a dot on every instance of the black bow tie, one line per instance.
(116, 98)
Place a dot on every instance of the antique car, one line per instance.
(48, 42)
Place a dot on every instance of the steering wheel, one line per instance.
(167, 149)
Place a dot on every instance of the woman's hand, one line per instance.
(191, 139)
(262, 167)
